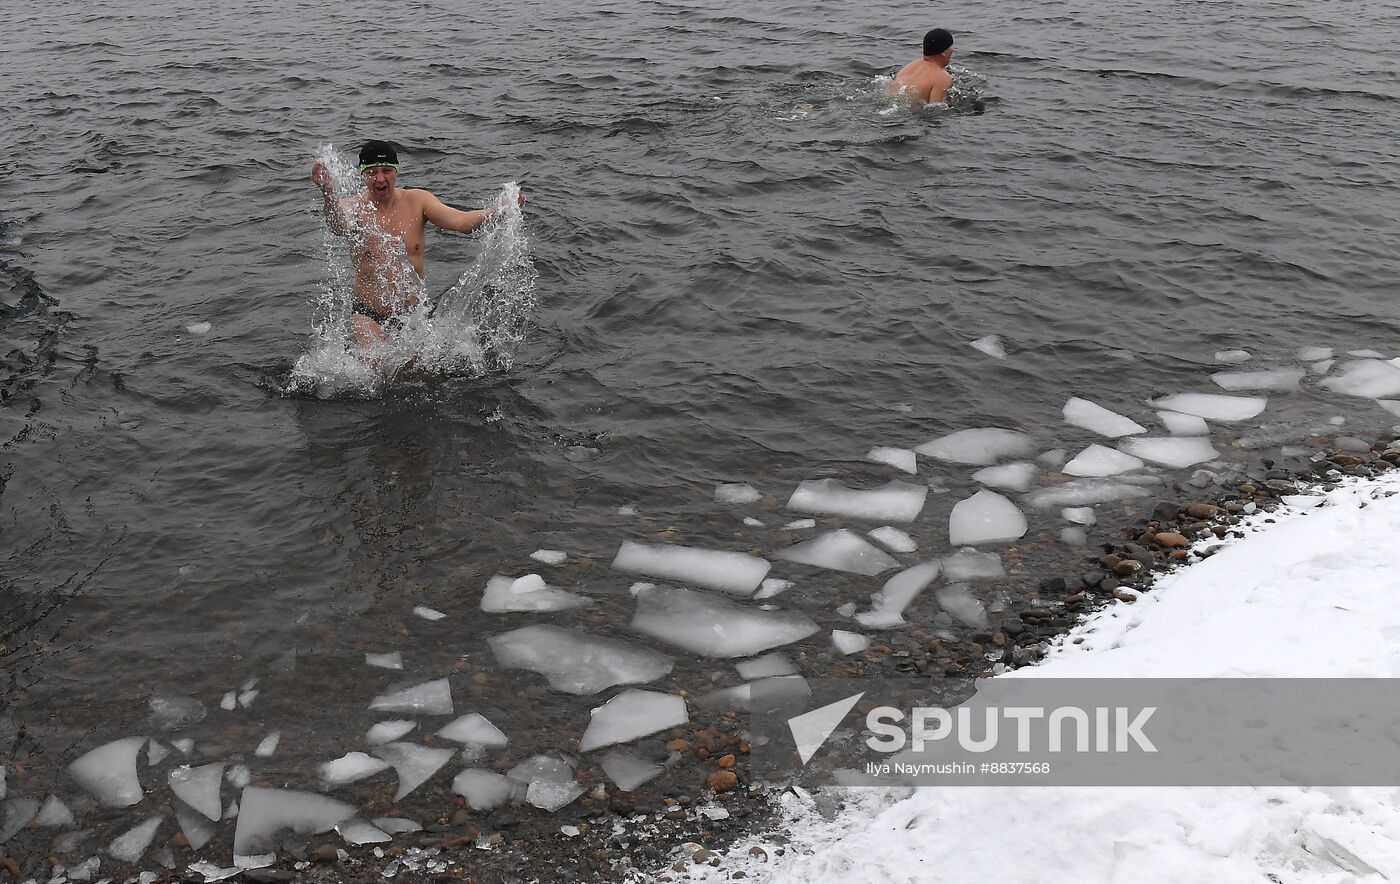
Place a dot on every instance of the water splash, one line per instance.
(475, 327)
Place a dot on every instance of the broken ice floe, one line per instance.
(1081, 515)
(893, 539)
(238, 775)
(1097, 419)
(752, 522)
(1321, 367)
(266, 813)
(1232, 357)
(155, 753)
(395, 825)
(474, 729)
(714, 627)
(246, 698)
(899, 458)
(391, 660)
(351, 767)
(198, 829)
(1054, 458)
(983, 446)
(550, 556)
(1368, 378)
(486, 789)
(1274, 380)
(357, 831)
(1074, 536)
(985, 517)
(1213, 406)
(429, 698)
(894, 501)
(388, 731)
(199, 328)
(108, 772)
(765, 667)
(840, 550)
(413, 763)
(131, 845)
(551, 797)
(1179, 424)
(577, 662)
(847, 643)
(430, 614)
(15, 814)
(630, 715)
(626, 770)
(528, 593)
(199, 787)
(268, 745)
(800, 524)
(991, 345)
(229, 701)
(1017, 476)
(887, 605)
(173, 713)
(962, 605)
(1312, 354)
(738, 492)
(1172, 451)
(1098, 460)
(969, 564)
(1082, 492)
(54, 814)
(184, 744)
(733, 572)
(772, 586)
(772, 691)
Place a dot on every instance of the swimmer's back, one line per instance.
(922, 79)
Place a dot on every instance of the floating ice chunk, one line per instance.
(173, 713)
(627, 510)
(550, 556)
(752, 522)
(199, 787)
(238, 775)
(1232, 357)
(198, 829)
(267, 812)
(1312, 354)
(551, 797)
(1213, 406)
(429, 698)
(772, 586)
(846, 610)
(542, 768)
(430, 614)
(391, 660)
(1366, 354)
(212, 872)
(626, 770)
(771, 690)
(733, 572)
(351, 767)
(1074, 536)
(1082, 492)
(184, 744)
(486, 789)
(1016, 476)
(1321, 367)
(1096, 460)
(766, 666)
(1054, 458)
(847, 643)
(839, 550)
(894, 501)
(714, 627)
(630, 715)
(983, 446)
(1179, 424)
(576, 662)
(246, 698)
(1079, 515)
(1097, 419)
(887, 605)
(229, 701)
(991, 345)
(388, 731)
(969, 564)
(15, 814)
(637, 589)
(474, 728)
(1390, 405)
(414, 764)
(961, 605)
(199, 328)
(1274, 380)
(357, 831)
(899, 458)
(894, 539)
(268, 745)
(395, 825)
(156, 752)
(985, 517)
(131, 845)
(108, 772)
(737, 492)
(1369, 378)
(54, 813)
(1172, 451)
(528, 593)
(800, 524)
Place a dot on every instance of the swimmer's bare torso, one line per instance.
(924, 80)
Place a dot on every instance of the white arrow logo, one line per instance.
(810, 729)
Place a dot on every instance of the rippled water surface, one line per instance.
(752, 267)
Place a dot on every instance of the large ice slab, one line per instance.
(474, 729)
(1272, 380)
(1213, 406)
(626, 770)
(528, 593)
(734, 572)
(108, 772)
(1172, 451)
(983, 446)
(265, 813)
(985, 517)
(1083, 492)
(429, 698)
(887, 605)
(1097, 419)
(895, 501)
(1369, 378)
(199, 787)
(486, 789)
(413, 763)
(840, 550)
(576, 662)
(630, 715)
(714, 627)
(899, 458)
(1098, 460)
(1016, 476)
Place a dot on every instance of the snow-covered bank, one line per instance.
(1312, 591)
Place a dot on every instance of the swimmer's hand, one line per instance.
(320, 175)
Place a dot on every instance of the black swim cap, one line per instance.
(378, 153)
(937, 41)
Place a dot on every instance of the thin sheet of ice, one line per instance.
(199, 787)
(238, 775)
(1366, 354)
(1074, 536)
(626, 770)
(108, 772)
(1079, 515)
(388, 731)
(630, 715)
(229, 701)
(357, 831)
(1083, 492)
(899, 458)
(1054, 458)
(487, 790)
(1321, 367)
(983, 446)
(429, 698)
(766, 666)
(1097, 419)
(969, 564)
(528, 593)
(960, 603)
(847, 643)
(991, 345)
(198, 828)
(714, 627)
(1018, 476)
(265, 813)
(246, 698)
(887, 605)
(985, 517)
(551, 797)
(839, 550)
(15, 814)
(199, 328)
(396, 825)
(184, 744)
(1312, 354)
(268, 745)
(1369, 378)
(430, 614)
(211, 872)
(771, 689)
(737, 492)
(391, 660)
(1098, 460)
(1179, 424)
(1273, 380)
(1213, 406)
(550, 556)
(894, 539)
(772, 586)
(895, 501)
(752, 522)
(474, 728)
(733, 572)
(542, 768)
(1232, 357)
(351, 767)
(131, 845)
(1172, 451)
(577, 662)
(54, 813)
(155, 753)
(413, 763)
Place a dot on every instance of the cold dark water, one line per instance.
(752, 268)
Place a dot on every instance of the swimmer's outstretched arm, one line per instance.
(335, 217)
(448, 218)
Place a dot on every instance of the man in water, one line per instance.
(926, 81)
(385, 228)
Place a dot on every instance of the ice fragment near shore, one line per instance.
(414, 764)
(771, 587)
(1075, 536)
(1097, 419)
(1179, 424)
(15, 814)
(1274, 380)
(894, 501)
(1312, 354)
(131, 845)
(847, 643)
(894, 539)
(388, 731)
(1016, 476)
(1232, 357)
(732, 572)
(429, 614)
(391, 660)
(962, 605)
(357, 831)
(630, 715)
(626, 770)
(985, 517)
(713, 627)
(552, 797)
(737, 492)
(969, 564)
(991, 345)
(198, 828)
(395, 825)
(268, 745)
(155, 753)
(486, 789)
(800, 524)
(1098, 461)
(1082, 515)
(528, 593)
(899, 458)
(429, 698)
(108, 772)
(1369, 378)
(1082, 492)
(1172, 451)
(351, 767)
(54, 813)
(550, 556)
(199, 328)
(476, 729)
(229, 701)
(266, 813)
(887, 605)
(199, 787)
(576, 662)
(173, 713)
(1213, 406)
(840, 550)
(765, 667)
(983, 446)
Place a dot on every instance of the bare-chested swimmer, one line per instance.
(385, 230)
(926, 80)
